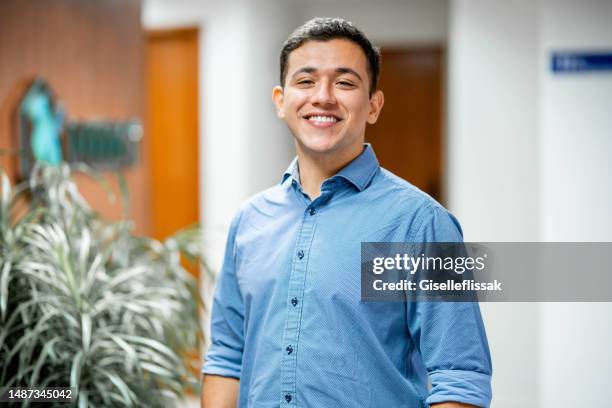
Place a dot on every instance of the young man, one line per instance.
(289, 328)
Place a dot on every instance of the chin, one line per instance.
(319, 145)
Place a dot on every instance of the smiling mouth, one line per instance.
(322, 120)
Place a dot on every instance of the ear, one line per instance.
(377, 100)
(278, 99)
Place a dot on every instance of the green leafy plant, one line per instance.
(86, 304)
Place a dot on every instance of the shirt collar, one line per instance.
(358, 172)
(292, 171)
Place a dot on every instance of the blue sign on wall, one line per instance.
(574, 62)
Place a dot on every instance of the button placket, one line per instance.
(291, 333)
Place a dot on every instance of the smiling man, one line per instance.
(289, 328)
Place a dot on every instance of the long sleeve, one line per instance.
(450, 335)
(227, 321)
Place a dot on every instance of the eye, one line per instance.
(345, 84)
(305, 82)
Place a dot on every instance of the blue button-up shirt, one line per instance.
(287, 316)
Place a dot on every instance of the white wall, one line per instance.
(576, 125)
(576, 198)
(386, 22)
(528, 162)
(271, 144)
(493, 119)
(492, 168)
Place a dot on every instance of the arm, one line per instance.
(219, 392)
(223, 366)
(450, 336)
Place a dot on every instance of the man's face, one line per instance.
(325, 100)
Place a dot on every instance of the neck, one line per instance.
(314, 169)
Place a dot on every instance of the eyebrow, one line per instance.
(339, 70)
(345, 70)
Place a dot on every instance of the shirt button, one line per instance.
(300, 254)
(294, 301)
(313, 211)
(289, 349)
(288, 397)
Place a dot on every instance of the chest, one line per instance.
(317, 254)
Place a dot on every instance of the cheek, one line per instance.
(360, 111)
(357, 105)
(293, 103)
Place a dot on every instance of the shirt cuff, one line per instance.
(224, 370)
(468, 387)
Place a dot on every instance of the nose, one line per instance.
(323, 94)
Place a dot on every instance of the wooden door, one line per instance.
(172, 126)
(408, 136)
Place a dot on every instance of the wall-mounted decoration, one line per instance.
(104, 145)
(40, 127)
(577, 62)
(45, 135)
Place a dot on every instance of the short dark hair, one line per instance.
(326, 29)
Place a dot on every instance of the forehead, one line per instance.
(328, 55)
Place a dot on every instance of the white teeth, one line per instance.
(323, 119)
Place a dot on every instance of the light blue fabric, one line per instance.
(287, 317)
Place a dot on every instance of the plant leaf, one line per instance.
(126, 394)
(75, 371)
(4, 283)
(86, 331)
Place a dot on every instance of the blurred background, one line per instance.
(475, 115)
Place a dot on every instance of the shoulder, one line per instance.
(265, 204)
(409, 202)
(386, 186)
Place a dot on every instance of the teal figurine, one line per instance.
(46, 127)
